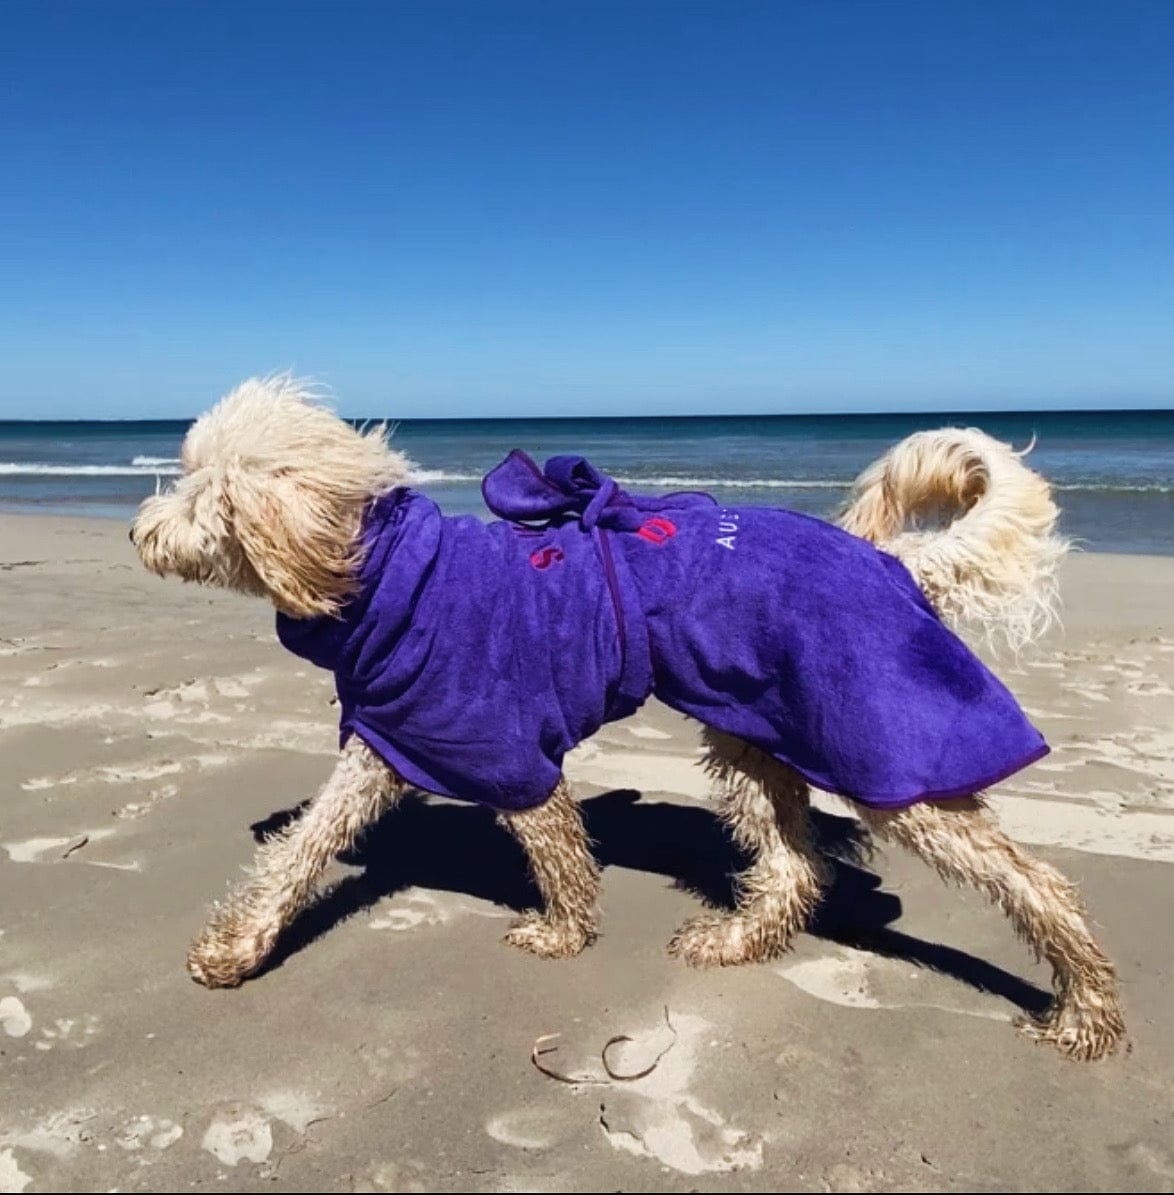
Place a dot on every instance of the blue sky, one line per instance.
(572, 208)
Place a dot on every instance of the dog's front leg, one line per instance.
(243, 930)
(555, 841)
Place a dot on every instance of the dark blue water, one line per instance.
(1114, 471)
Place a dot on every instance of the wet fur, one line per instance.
(271, 503)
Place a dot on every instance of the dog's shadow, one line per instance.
(459, 848)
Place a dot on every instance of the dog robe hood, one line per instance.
(476, 655)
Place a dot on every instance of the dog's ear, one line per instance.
(300, 537)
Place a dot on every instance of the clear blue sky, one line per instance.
(515, 208)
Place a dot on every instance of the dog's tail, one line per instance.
(974, 526)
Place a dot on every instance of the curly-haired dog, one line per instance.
(469, 657)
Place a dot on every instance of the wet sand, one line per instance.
(151, 731)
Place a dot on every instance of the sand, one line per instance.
(150, 731)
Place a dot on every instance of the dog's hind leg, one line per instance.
(765, 804)
(556, 845)
(962, 842)
(243, 930)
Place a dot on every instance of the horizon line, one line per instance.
(394, 419)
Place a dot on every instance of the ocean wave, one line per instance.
(787, 483)
(160, 466)
(38, 469)
(418, 476)
(154, 461)
(1095, 487)
(735, 483)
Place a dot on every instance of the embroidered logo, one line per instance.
(728, 526)
(545, 557)
(657, 530)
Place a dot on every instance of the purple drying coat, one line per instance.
(476, 655)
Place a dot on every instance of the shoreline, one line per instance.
(90, 519)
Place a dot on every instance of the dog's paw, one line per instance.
(1083, 1031)
(716, 941)
(220, 959)
(215, 970)
(534, 933)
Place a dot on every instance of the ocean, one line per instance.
(1113, 471)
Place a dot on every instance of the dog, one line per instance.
(810, 653)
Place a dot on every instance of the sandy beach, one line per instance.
(152, 731)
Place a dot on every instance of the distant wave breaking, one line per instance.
(160, 466)
(38, 469)
(153, 462)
